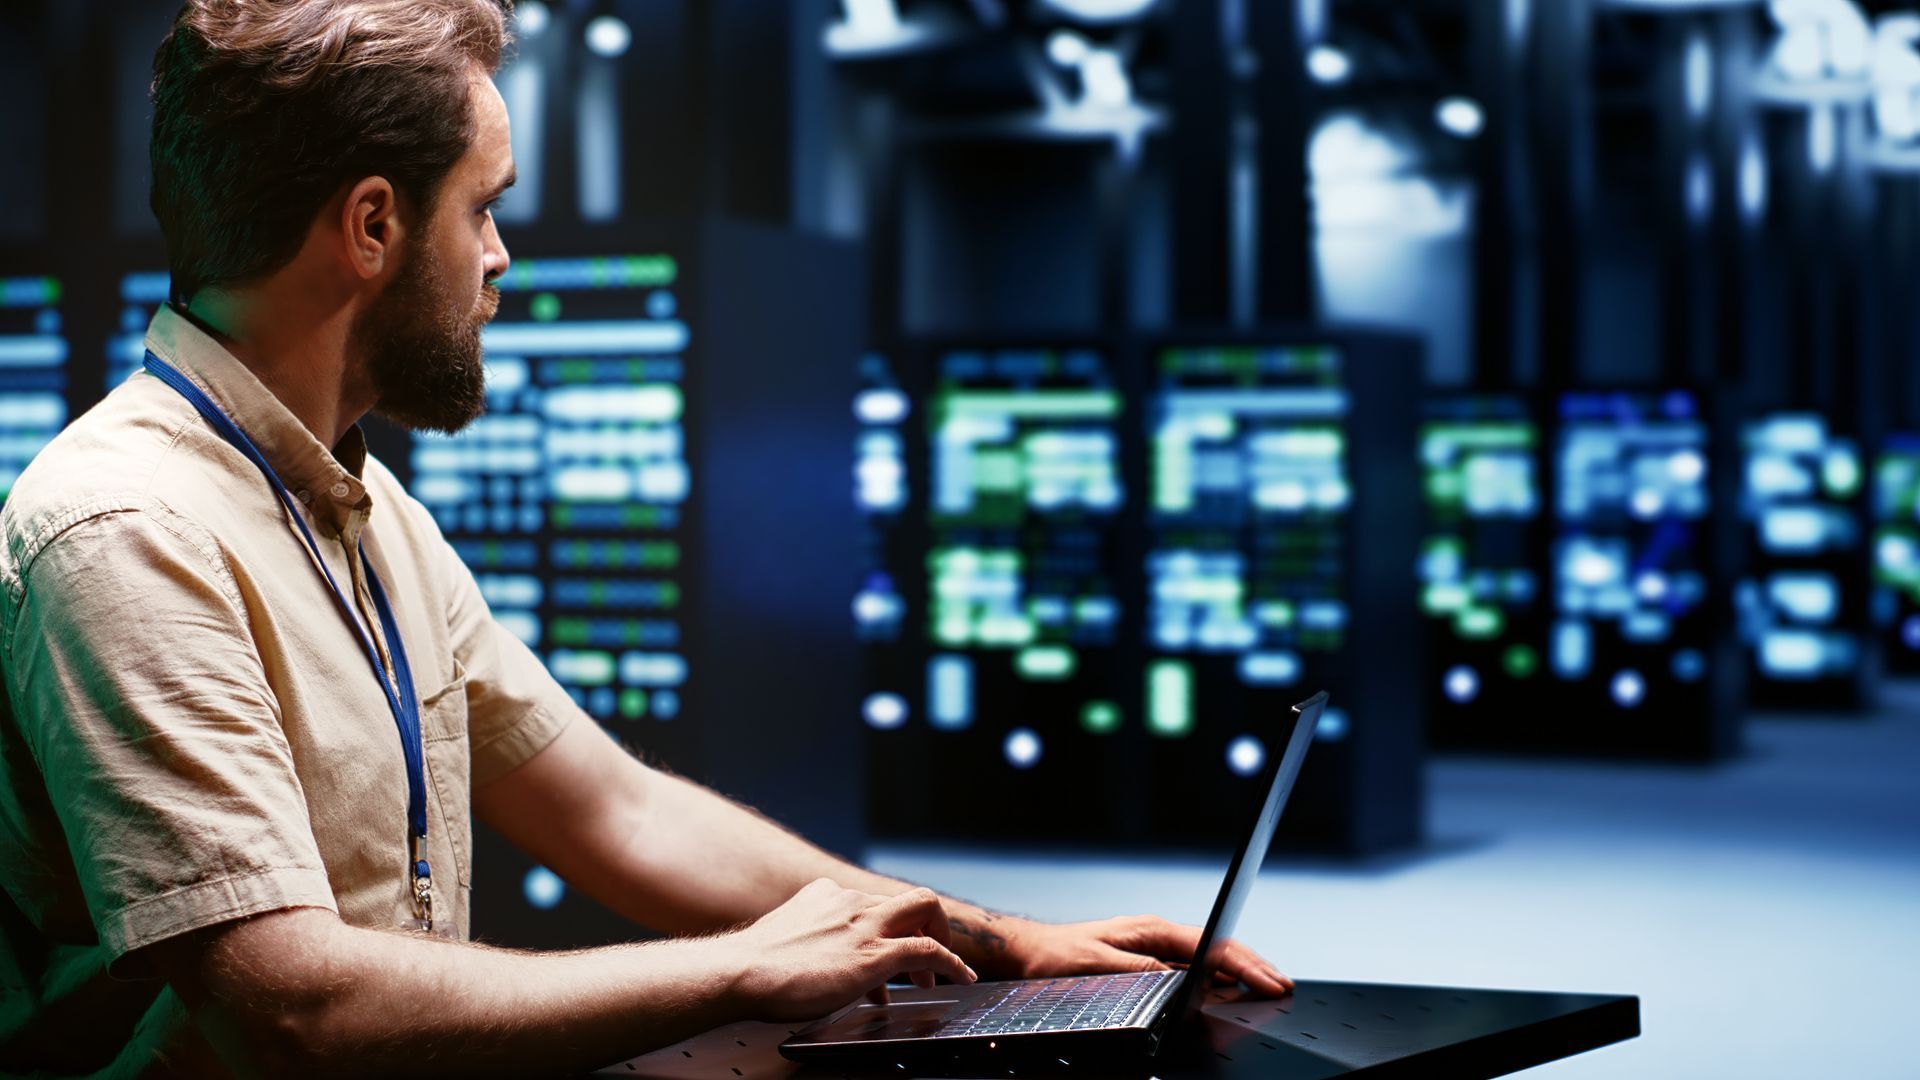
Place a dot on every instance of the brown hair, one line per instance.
(262, 109)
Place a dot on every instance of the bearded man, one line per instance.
(255, 698)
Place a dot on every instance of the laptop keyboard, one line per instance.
(1077, 1004)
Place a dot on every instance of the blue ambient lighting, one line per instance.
(1245, 756)
(1689, 665)
(1629, 689)
(1572, 649)
(950, 691)
(543, 888)
(530, 18)
(885, 712)
(1270, 668)
(1792, 654)
(585, 338)
(608, 36)
(1328, 65)
(1810, 598)
(1460, 116)
(1462, 684)
(881, 406)
(1022, 748)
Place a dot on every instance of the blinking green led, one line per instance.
(1100, 717)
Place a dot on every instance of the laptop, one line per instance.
(1004, 1024)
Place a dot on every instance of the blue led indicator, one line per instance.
(950, 692)
(543, 888)
(1022, 748)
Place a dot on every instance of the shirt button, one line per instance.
(339, 491)
(304, 495)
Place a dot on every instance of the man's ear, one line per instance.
(370, 226)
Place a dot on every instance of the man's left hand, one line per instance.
(1127, 943)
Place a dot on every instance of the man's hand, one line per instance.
(1126, 943)
(828, 945)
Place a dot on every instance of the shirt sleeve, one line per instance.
(514, 706)
(138, 688)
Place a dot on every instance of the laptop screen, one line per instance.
(1282, 769)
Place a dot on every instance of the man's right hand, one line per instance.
(828, 945)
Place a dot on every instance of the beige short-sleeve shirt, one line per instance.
(195, 733)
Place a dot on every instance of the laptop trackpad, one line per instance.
(899, 1020)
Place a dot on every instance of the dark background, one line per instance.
(1663, 226)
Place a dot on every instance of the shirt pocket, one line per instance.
(443, 732)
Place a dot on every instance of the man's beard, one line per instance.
(421, 354)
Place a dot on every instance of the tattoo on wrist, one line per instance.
(988, 942)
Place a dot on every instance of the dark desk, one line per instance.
(1323, 1029)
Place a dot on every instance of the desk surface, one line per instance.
(1323, 1029)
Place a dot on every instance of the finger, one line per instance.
(878, 995)
(913, 954)
(1245, 965)
(1230, 958)
(916, 911)
(925, 980)
(1259, 974)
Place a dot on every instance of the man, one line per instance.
(253, 693)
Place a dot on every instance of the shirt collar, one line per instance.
(327, 482)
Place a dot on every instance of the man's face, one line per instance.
(420, 339)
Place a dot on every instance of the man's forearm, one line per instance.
(984, 939)
(737, 864)
(341, 1000)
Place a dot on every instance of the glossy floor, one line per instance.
(1767, 911)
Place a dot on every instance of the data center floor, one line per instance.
(1767, 912)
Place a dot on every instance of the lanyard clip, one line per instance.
(422, 885)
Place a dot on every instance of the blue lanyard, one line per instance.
(405, 704)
